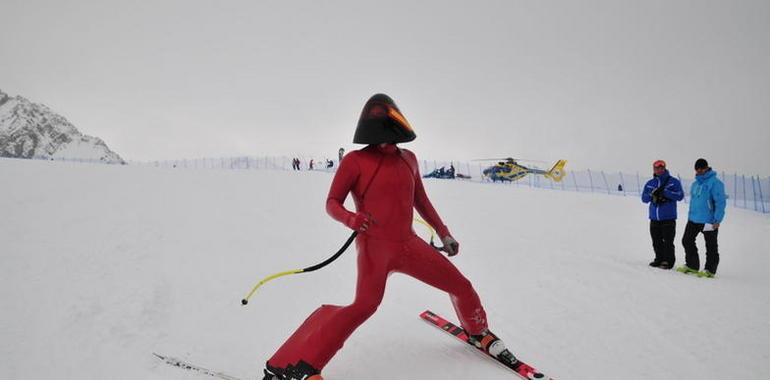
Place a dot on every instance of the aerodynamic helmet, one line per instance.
(382, 122)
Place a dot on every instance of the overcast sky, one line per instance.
(607, 85)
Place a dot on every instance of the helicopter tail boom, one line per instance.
(557, 172)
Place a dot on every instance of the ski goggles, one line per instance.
(659, 164)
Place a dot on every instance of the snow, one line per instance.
(102, 265)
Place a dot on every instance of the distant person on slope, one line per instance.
(707, 210)
(662, 192)
(385, 183)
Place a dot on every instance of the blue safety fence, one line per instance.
(746, 192)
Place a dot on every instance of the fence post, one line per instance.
(735, 192)
(622, 183)
(754, 190)
(574, 180)
(745, 199)
(761, 195)
(591, 180)
(606, 183)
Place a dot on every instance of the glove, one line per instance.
(358, 222)
(657, 192)
(451, 246)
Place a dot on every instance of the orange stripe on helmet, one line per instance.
(393, 113)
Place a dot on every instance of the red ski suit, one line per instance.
(388, 245)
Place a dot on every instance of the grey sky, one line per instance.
(604, 84)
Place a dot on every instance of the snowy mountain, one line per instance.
(31, 130)
(123, 261)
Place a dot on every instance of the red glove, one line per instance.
(358, 222)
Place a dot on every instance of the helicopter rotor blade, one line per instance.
(509, 158)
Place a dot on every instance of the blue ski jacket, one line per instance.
(707, 199)
(672, 192)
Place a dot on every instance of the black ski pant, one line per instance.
(691, 249)
(663, 233)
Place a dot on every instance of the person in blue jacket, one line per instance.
(662, 192)
(707, 210)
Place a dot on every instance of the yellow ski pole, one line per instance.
(326, 262)
(432, 233)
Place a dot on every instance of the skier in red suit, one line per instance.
(386, 187)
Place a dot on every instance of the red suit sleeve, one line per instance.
(422, 203)
(343, 182)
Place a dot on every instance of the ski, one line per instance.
(524, 370)
(191, 367)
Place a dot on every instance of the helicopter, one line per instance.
(510, 170)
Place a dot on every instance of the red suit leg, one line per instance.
(325, 331)
(424, 263)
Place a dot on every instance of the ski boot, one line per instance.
(687, 270)
(492, 345)
(665, 265)
(300, 371)
(706, 274)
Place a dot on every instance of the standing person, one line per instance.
(310, 166)
(662, 192)
(340, 154)
(385, 183)
(707, 210)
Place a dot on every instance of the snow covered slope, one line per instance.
(31, 130)
(116, 262)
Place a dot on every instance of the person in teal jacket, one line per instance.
(707, 210)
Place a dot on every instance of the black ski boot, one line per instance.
(300, 371)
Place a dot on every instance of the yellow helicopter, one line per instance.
(510, 170)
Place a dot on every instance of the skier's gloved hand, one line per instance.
(451, 246)
(659, 199)
(657, 192)
(358, 222)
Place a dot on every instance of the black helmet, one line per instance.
(382, 122)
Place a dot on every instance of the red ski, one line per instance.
(524, 370)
